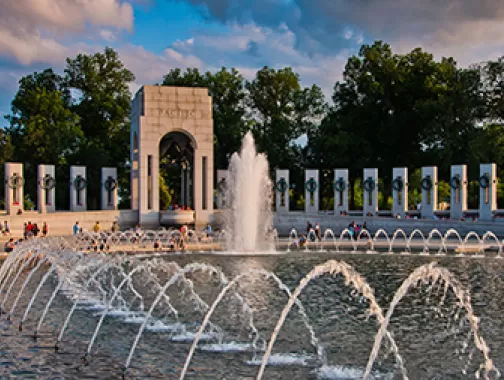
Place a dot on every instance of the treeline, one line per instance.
(388, 110)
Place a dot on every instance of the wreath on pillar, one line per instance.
(398, 184)
(455, 182)
(281, 185)
(110, 184)
(484, 181)
(426, 183)
(369, 184)
(311, 185)
(80, 183)
(15, 181)
(48, 182)
(340, 185)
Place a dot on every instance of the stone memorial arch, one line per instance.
(176, 120)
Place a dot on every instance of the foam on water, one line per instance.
(189, 336)
(158, 326)
(339, 372)
(285, 359)
(227, 347)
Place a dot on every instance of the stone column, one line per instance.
(312, 186)
(370, 190)
(341, 191)
(222, 187)
(429, 186)
(458, 192)
(46, 188)
(203, 185)
(282, 186)
(488, 191)
(400, 191)
(109, 189)
(78, 188)
(148, 193)
(14, 187)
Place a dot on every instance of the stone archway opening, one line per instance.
(176, 170)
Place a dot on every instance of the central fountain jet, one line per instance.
(249, 220)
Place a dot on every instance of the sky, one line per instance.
(315, 37)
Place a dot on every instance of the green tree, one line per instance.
(226, 87)
(281, 111)
(42, 127)
(103, 104)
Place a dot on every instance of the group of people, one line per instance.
(314, 232)
(33, 230)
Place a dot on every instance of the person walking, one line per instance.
(45, 229)
(76, 228)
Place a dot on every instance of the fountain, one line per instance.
(198, 306)
(249, 221)
(119, 309)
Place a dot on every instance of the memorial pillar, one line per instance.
(282, 187)
(222, 187)
(312, 191)
(429, 186)
(341, 191)
(370, 190)
(400, 191)
(78, 188)
(14, 187)
(458, 192)
(46, 189)
(488, 191)
(109, 189)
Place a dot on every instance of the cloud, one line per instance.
(32, 30)
(451, 27)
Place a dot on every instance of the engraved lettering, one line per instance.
(183, 114)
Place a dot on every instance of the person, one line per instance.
(138, 233)
(6, 229)
(157, 245)
(29, 229)
(208, 230)
(96, 227)
(9, 246)
(317, 231)
(309, 227)
(45, 229)
(76, 228)
(35, 229)
(115, 227)
(302, 241)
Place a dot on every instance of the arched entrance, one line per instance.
(172, 130)
(176, 164)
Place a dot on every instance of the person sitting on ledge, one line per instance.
(9, 246)
(302, 241)
(157, 245)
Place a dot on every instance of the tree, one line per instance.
(103, 105)
(230, 125)
(42, 127)
(226, 87)
(397, 110)
(281, 111)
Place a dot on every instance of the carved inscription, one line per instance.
(182, 114)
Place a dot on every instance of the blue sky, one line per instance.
(315, 37)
